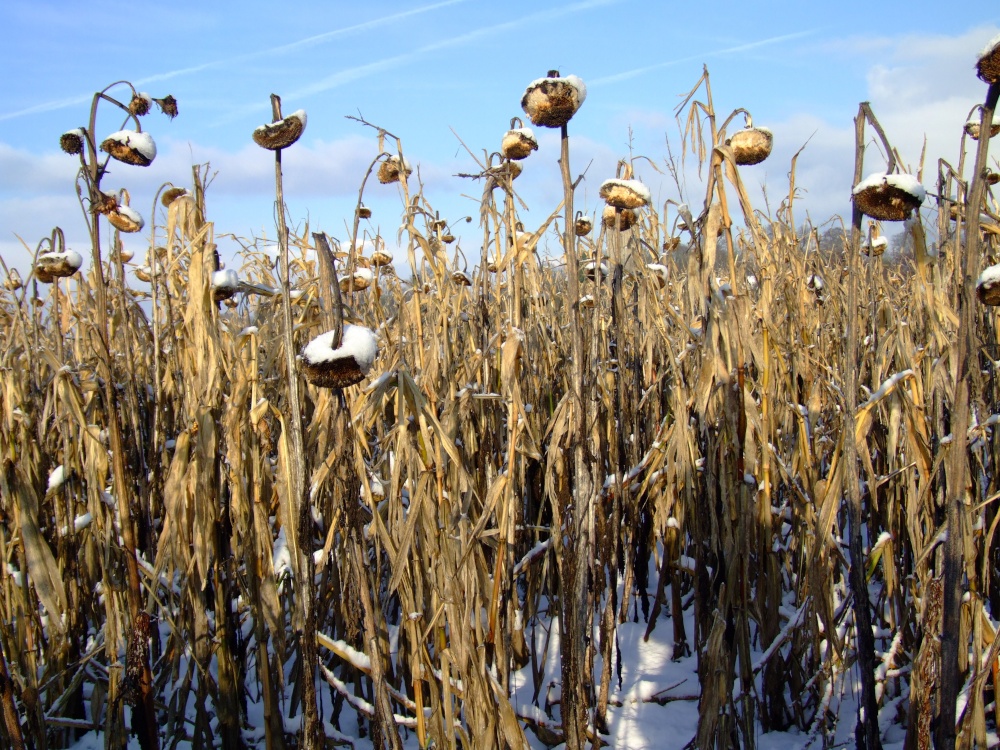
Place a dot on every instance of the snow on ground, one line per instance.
(654, 707)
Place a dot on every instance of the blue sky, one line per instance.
(440, 74)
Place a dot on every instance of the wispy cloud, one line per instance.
(295, 46)
(615, 78)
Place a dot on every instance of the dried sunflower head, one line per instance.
(168, 106)
(518, 142)
(126, 219)
(988, 64)
(141, 104)
(551, 101)
(104, 203)
(392, 168)
(130, 147)
(53, 265)
(281, 134)
(751, 145)
(329, 367)
(888, 197)
(172, 194)
(72, 141)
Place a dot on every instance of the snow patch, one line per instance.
(905, 182)
(141, 142)
(358, 342)
(56, 478)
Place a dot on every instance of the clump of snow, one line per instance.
(358, 659)
(989, 276)
(132, 215)
(884, 538)
(225, 279)
(72, 257)
(905, 182)
(79, 524)
(989, 46)
(15, 574)
(395, 161)
(631, 185)
(358, 342)
(141, 142)
(887, 386)
(976, 120)
(575, 81)
(579, 85)
(56, 478)
(380, 381)
(299, 114)
(281, 558)
(527, 133)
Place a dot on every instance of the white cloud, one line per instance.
(22, 171)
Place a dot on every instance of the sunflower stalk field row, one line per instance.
(336, 497)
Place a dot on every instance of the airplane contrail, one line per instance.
(659, 66)
(281, 49)
(352, 74)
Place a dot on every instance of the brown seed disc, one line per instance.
(626, 218)
(988, 66)
(71, 142)
(48, 267)
(125, 153)
(222, 293)
(517, 144)
(989, 293)
(340, 373)
(169, 196)
(281, 134)
(389, 171)
(885, 202)
(551, 102)
(620, 194)
(123, 222)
